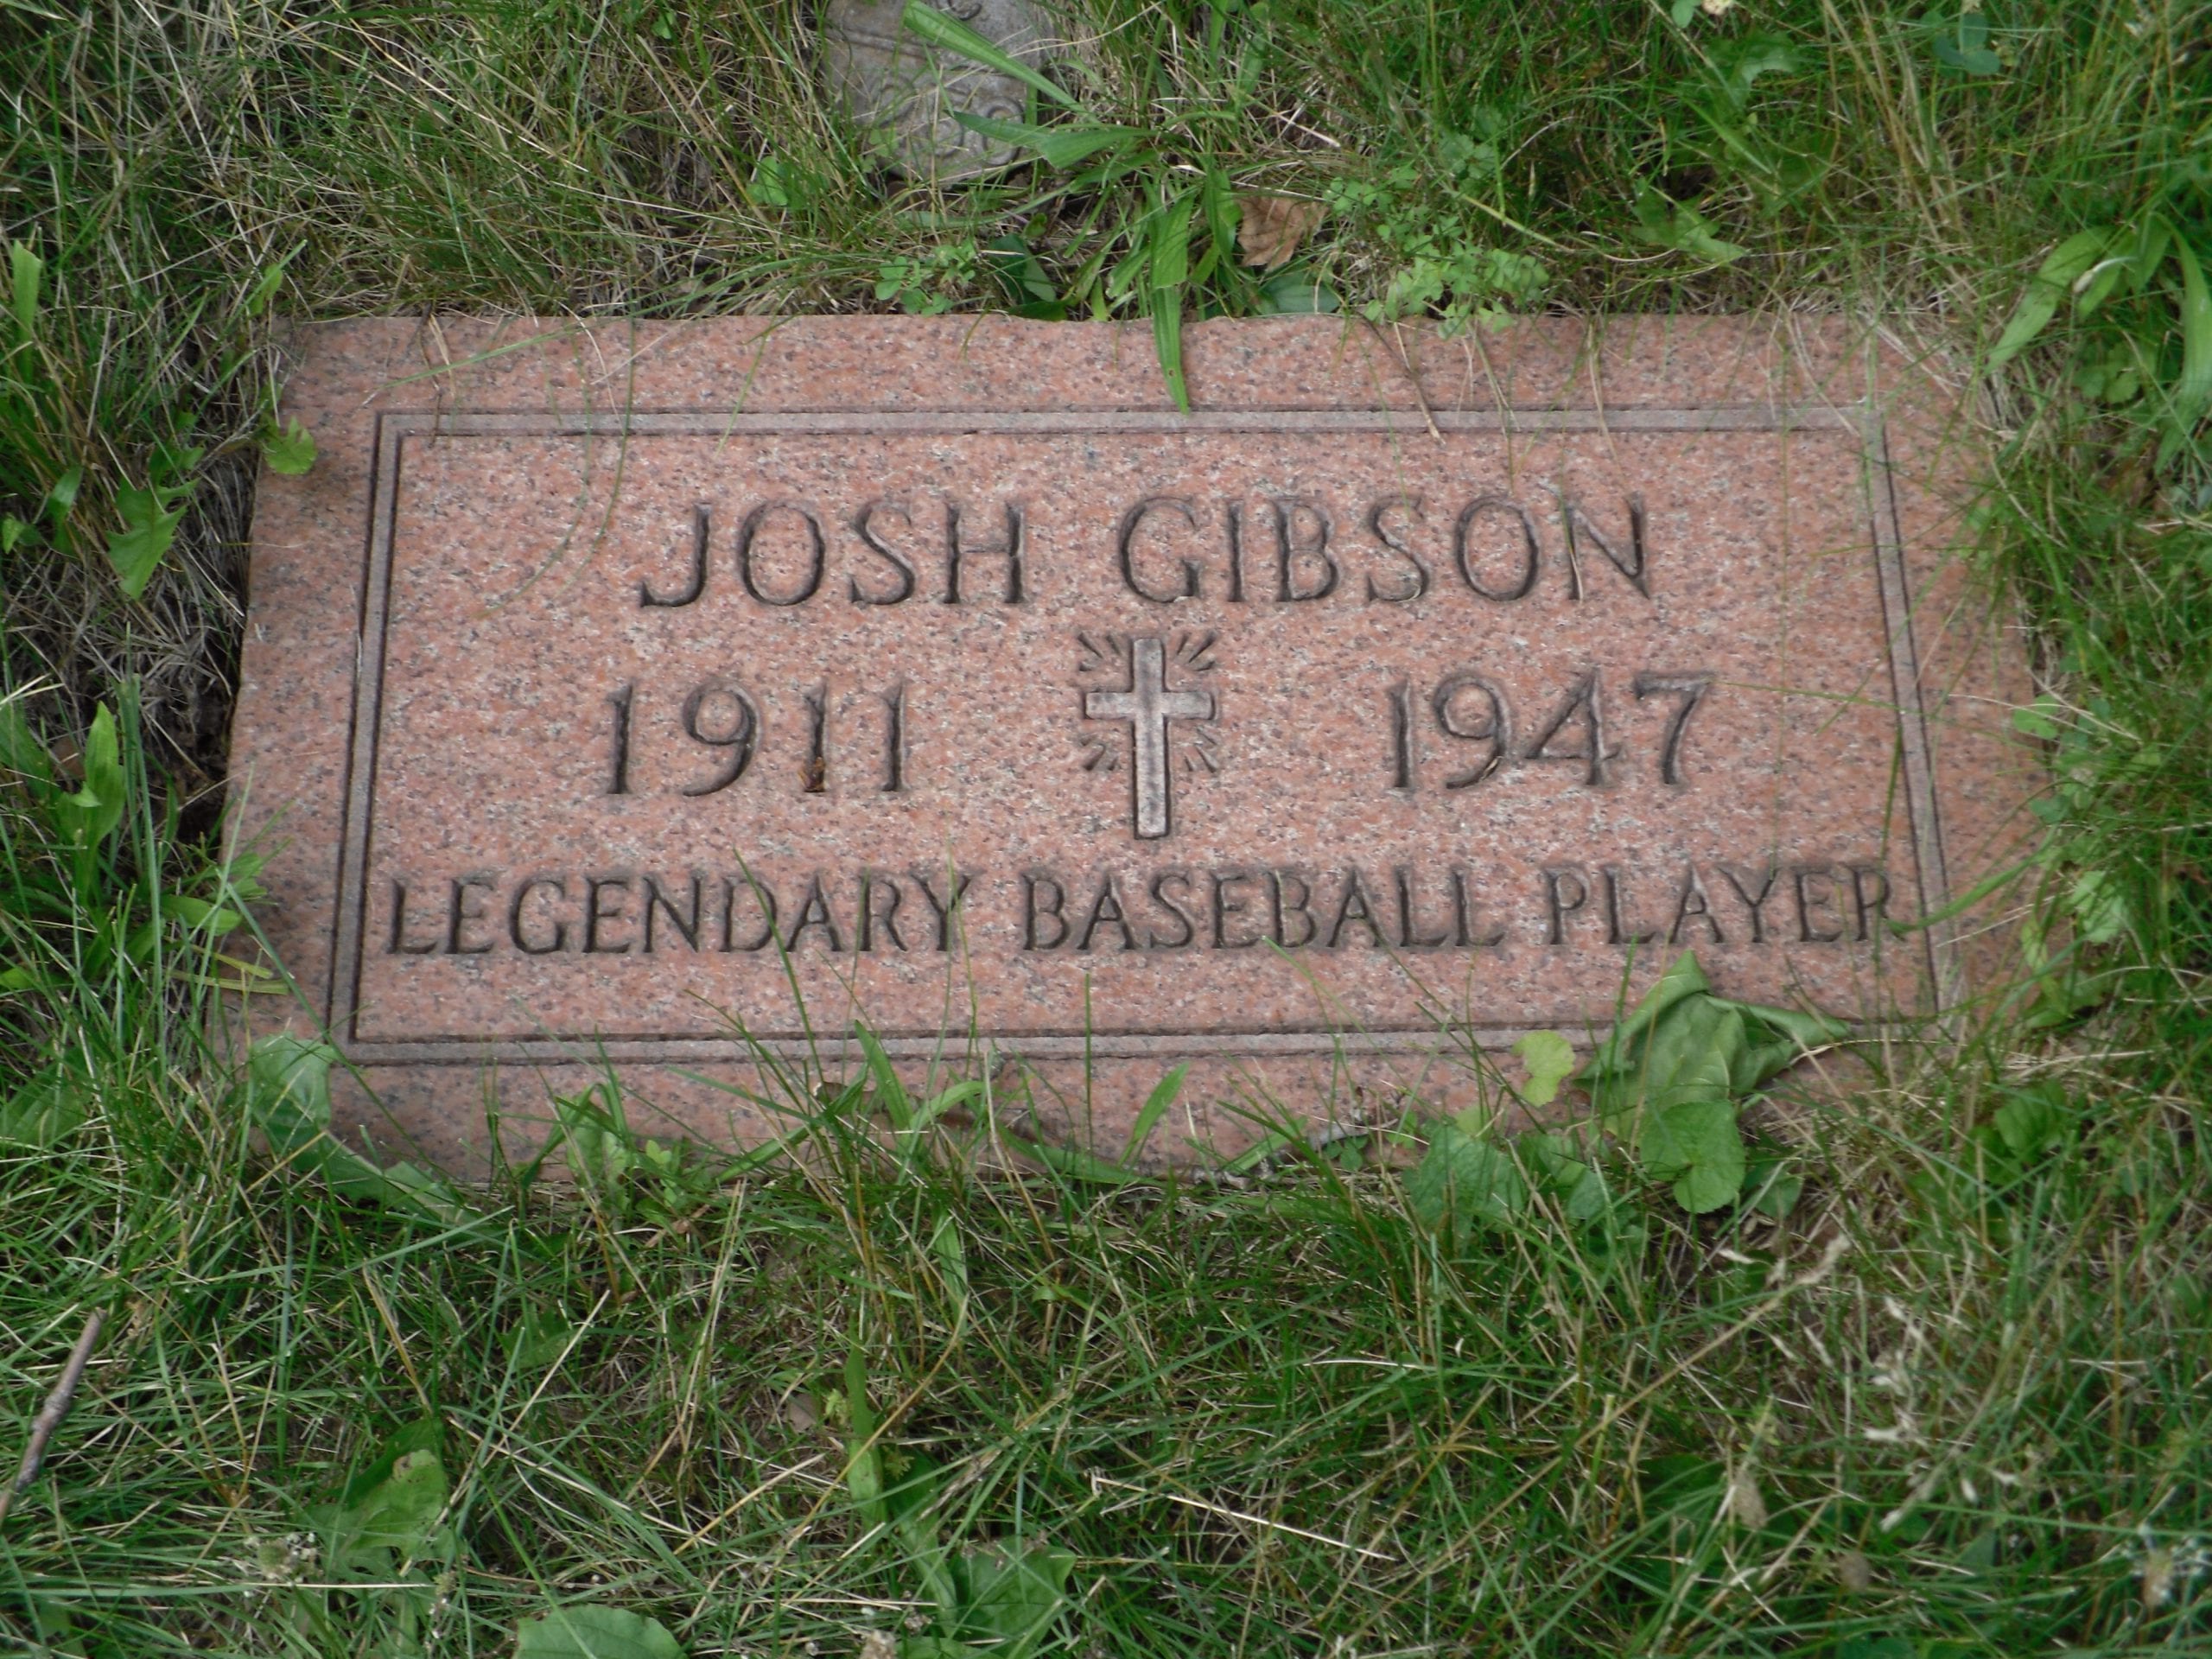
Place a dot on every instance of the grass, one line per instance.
(1951, 1403)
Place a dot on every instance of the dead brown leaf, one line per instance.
(1269, 228)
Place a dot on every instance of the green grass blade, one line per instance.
(1155, 1108)
(2193, 395)
(1059, 148)
(2046, 291)
(1167, 341)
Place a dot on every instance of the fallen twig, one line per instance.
(51, 1414)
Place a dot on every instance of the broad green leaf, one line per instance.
(1696, 1145)
(201, 915)
(423, 1434)
(24, 759)
(1774, 1192)
(1670, 224)
(265, 285)
(288, 1082)
(2099, 904)
(771, 185)
(1009, 1600)
(1681, 1043)
(1683, 978)
(2045, 289)
(949, 1252)
(2038, 719)
(26, 270)
(1557, 1167)
(1549, 1059)
(2151, 241)
(1774, 1040)
(170, 466)
(601, 1149)
(1965, 46)
(1430, 1189)
(2028, 1123)
(1464, 1179)
(1170, 244)
(1058, 147)
(1683, 1055)
(264, 290)
(538, 1338)
(1029, 291)
(94, 812)
(1217, 200)
(586, 1631)
(388, 1513)
(287, 1099)
(1760, 54)
(864, 1475)
(52, 1102)
(1295, 294)
(104, 774)
(1693, 1052)
(63, 496)
(950, 35)
(401, 1512)
(2095, 285)
(1778, 1196)
(1155, 1108)
(147, 530)
(289, 449)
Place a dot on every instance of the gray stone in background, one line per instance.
(904, 92)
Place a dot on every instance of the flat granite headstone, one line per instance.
(608, 692)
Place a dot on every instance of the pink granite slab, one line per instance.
(636, 698)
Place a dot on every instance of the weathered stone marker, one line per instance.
(602, 687)
(907, 96)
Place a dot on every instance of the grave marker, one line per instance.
(602, 686)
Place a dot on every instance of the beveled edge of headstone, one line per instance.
(296, 671)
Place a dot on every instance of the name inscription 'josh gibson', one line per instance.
(1451, 729)
(1288, 550)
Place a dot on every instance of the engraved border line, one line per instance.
(394, 427)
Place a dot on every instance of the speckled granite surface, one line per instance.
(599, 684)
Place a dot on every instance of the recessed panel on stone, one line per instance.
(673, 700)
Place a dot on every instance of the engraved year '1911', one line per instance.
(723, 719)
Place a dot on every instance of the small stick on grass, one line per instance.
(51, 1414)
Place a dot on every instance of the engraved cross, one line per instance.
(1148, 705)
